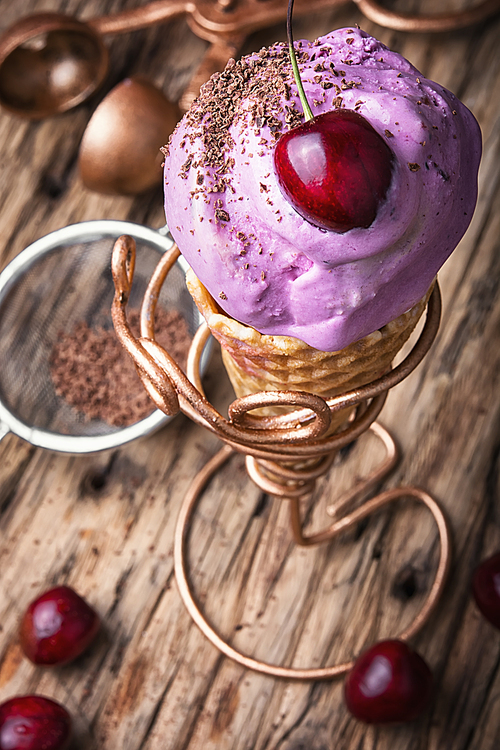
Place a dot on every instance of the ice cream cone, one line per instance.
(257, 362)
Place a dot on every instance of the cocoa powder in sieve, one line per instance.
(92, 372)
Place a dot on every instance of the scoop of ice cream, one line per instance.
(266, 265)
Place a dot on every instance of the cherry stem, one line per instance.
(308, 115)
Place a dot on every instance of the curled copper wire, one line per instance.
(434, 22)
(300, 673)
(299, 434)
(285, 455)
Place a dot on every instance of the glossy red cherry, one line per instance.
(389, 683)
(57, 627)
(32, 722)
(486, 588)
(335, 170)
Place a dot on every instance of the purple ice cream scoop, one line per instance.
(267, 266)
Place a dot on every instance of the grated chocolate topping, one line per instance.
(263, 81)
(255, 91)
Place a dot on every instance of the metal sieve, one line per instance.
(57, 282)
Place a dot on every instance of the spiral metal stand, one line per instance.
(285, 455)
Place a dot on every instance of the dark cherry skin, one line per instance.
(57, 627)
(389, 683)
(486, 589)
(32, 722)
(335, 170)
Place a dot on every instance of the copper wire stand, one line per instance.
(285, 455)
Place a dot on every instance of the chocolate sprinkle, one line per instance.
(221, 215)
(216, 115)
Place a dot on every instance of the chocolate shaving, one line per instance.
(221, 215)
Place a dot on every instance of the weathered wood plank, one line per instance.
(105, 523)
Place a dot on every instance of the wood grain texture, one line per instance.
(104, 523)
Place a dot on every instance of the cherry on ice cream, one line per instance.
(335, 170)
(57, 627)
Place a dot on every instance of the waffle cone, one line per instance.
(259, 362)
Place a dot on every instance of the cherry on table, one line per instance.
(486, 588)
(389, 683)
(33, 722)
(335, 170)
(57, 627)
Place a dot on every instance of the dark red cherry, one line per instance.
(32, 722)
(389, 683)
(57, 627)
(335, 170)
(486, 589)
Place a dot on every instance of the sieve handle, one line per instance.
(4, 430)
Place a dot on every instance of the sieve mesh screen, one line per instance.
(67, 285)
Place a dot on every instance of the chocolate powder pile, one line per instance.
(92, 372)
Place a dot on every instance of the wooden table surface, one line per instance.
(104, 523)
